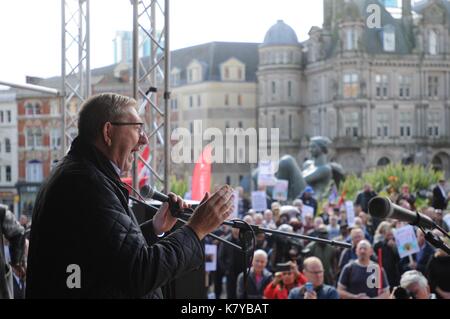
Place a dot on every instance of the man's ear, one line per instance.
(106, 133)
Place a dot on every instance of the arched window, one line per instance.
(432, 42)
(29, 109)
(437, 164)
(383, 161)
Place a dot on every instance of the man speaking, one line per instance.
(85, 241)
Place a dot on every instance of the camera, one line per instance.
(282, 267)
(402, 293)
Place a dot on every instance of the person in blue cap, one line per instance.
(308, 199)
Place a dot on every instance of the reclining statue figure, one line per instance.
(317, 172)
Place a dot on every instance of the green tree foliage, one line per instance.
(390, 178)
(178, 186)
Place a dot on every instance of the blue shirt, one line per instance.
(323, 292)
(354, 278)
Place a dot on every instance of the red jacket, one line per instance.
(282, 292)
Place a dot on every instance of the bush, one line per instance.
(178, 186)
(392, 176)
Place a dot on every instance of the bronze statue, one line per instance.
(317, 172)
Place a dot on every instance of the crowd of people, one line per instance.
(121, 258)
(371, 268)
(289, 268)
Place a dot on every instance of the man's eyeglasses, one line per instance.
(141, 129)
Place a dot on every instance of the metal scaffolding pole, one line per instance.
(151, 82)
(75, 64)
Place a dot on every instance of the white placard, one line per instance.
(447, 219)
(350, 213)
(259, 201)
(210, 257)
(266, 173)
(234, 215)
(307, 211)
(280, 191)
(406, 241)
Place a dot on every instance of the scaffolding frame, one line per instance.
(75, 65)
(150, 78)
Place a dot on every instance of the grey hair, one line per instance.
(411, 277)
(99, 109)
(260, 252)
(286, 228)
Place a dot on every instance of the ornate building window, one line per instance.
(351, 39)
(34, 137)
(381, 85)
(194, 70)
(55, 138)
(404, 84)
(406, 120)
(351, 85)
(432, 42)
(433, 86)
(33, 109)
(433, 123)
(382, 119)
(351, 124)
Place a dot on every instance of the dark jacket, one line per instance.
(11, 229)
(363, 199)
(81, 217)
(254, 290)
(390, 260)
(439, 201)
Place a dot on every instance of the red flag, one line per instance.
(342, 198)
(380, 264)
(143, 171)
(201, 177)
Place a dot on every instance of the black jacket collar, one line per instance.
(83, 149)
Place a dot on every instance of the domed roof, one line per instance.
(280, 33)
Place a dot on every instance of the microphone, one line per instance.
(175, 210)
(382, 207)
(149, 192)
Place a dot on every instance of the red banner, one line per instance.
(201, 178)
(143, 171)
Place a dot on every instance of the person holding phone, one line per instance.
(287, 277)
(314, 288)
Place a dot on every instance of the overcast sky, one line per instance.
(30, 30)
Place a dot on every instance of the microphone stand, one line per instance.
(436, 241)
(245, 230)
(432, 238)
